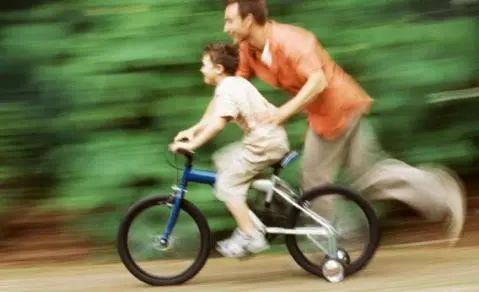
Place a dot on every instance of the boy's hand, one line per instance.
(187, 135)
(173, 147)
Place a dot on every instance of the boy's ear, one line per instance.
(219, 69)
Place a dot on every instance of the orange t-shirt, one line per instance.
(295, 54)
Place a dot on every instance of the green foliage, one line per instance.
(95, 91)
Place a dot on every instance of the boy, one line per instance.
(235, 100)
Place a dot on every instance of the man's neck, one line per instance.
(258, 37)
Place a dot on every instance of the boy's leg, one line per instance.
(246, 238)
(236, 169)
(240, 211)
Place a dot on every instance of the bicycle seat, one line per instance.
(287, 159)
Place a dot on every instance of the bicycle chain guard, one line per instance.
(273, 216)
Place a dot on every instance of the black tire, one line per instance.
(373, 225)
(140, 274)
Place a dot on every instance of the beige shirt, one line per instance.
(237, 98)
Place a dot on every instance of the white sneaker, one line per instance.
(455, 201)
(240, 244)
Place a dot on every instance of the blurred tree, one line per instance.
(93, 92)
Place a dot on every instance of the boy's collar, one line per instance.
(222, 79)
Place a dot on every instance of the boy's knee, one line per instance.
(225, 193)
(230, 198)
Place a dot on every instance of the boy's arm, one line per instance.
(226, 109)
(215, 125)
(198, 127)
(204, 119)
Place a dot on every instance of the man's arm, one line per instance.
(315, 84)
(304, 53)
(244, 70)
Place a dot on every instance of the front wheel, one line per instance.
(347, 198)
(155, 212)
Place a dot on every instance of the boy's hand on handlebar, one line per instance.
(178, 146)
(187, 135)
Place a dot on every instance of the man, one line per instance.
(291, 58)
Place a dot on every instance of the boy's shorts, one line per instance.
(236, 166)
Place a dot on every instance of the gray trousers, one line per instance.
(369, 168)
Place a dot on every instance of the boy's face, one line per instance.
(209, 70)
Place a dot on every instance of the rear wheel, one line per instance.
(351, 266)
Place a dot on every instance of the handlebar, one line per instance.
(187, 154)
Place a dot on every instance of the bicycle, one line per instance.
(336, 264)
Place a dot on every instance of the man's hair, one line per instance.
(257, 8)
(223, 54)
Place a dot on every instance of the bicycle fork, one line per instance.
(175, 205)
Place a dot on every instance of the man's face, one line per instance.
(238, 29)
(209, 70)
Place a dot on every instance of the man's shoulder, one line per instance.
(284, 32)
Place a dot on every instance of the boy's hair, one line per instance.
(257, 8)
(223, 54)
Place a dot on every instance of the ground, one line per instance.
(410, 259)
(412, 269)
(413, 264)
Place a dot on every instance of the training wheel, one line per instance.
(343, 256)
(333, 270)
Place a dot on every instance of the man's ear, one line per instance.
(248, 20)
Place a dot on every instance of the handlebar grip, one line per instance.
(185, 152)
(188, 155)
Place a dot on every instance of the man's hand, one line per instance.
(187, 135)
(277, 119)
(175, 146)
(310, 91)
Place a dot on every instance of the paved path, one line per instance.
(423, 269)
(412, 267)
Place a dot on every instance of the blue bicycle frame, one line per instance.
(189, 175)
(207, 177)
